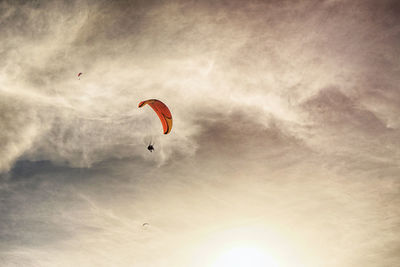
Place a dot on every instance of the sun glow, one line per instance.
(243, 246)
(244, 257)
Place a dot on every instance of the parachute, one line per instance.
(162, 111)
(79, 74)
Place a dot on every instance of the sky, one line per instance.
(285, 144)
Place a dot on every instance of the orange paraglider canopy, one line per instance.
(162, 111)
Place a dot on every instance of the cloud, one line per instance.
(110, 45)
(20, 130)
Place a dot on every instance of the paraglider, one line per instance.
(150, 148)
(79, 74)
(162, 112)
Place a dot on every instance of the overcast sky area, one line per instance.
(286, 132)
